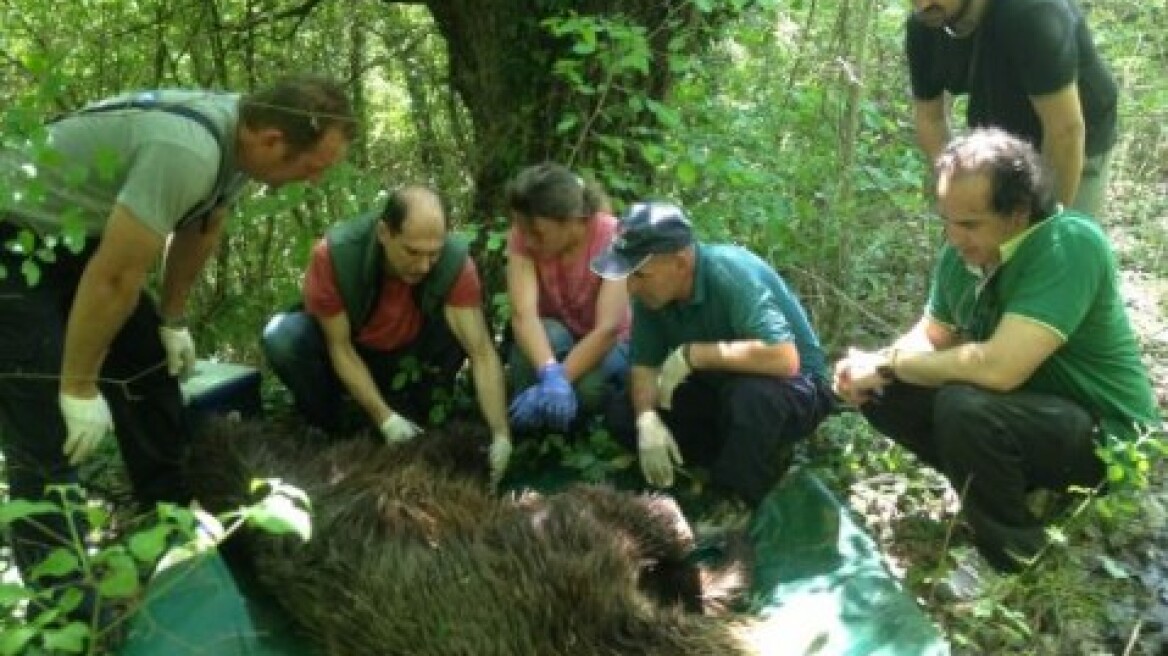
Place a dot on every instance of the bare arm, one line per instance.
(106, 295)
(351, 369)
(525, 324)
(643, 386)
(1064, 138)
(612, 305)
(931, 118)
(747, 356)
(470, 329)
(186, 255)
(1004, 362)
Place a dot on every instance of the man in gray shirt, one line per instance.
(84, 353)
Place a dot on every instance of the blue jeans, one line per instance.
(593, 389)
(408, 378)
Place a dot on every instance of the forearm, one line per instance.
(1064, 152)
(590, 351)
(532, 340)
(745, 357)
(932, 128)
(643, 386)
(355, 376)
(100, 309)
(967, 363)
(187, 253)
(487, 373)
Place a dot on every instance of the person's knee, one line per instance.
(280, 339)
(965, 424)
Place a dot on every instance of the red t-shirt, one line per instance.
(567, 287)
(396, 318)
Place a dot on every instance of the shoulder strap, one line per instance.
(151, 100)
(356, 258)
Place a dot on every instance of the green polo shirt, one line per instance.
(1061, 273)
(736, 296)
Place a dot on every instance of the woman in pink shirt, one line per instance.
(570, 326)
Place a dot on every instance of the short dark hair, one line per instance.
(303, 107)
(397, 206)
(553, 191)
(1019, 179)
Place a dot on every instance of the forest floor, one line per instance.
(1103, 588)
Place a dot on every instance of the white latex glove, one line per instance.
(672, 373)
(88, 423)
(498, 457)
(398, 429)
(658, 450)
(180, 350)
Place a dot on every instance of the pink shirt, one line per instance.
(567, 287)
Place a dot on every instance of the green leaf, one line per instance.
(1114, 568)
(119, 577)
(687, 173)
(148, 545)
(70, 639)
(22, 508)
(1115, 473)
(31, 272)
(278, 514)
(10, 593)
(14, 639)
(60, 562)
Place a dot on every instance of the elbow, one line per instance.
(609, 333)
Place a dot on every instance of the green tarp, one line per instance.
(820, 588)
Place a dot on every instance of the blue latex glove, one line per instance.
(524, 412)
(557, 399)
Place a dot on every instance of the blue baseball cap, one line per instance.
(646, 229)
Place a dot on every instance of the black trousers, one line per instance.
(741, 426)
(411, 379)
(144, 399)
(994, 447)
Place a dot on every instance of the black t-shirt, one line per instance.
(1021, 48)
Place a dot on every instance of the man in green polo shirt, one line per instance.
(724, 359)
(1024, 359)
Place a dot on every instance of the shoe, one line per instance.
(972, 577)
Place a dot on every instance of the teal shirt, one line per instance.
(1061, 274)
(736, 295)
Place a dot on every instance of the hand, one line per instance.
(857, 378)
(398, 429)
(498, 457)
(658, 450)
(88, 423)
(557, 399)
(673, 372)
(180, 350)
(524, 412)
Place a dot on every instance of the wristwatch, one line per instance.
(887, 371)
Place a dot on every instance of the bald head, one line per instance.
(414, 207)
(412, 232)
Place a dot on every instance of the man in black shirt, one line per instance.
(1030, 67)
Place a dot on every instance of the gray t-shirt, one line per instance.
(158, 164)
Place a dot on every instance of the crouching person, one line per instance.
(1023, 359)
(726, 370)
(571, 327)
(392, 310)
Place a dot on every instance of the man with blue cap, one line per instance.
(727, 371)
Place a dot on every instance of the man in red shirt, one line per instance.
(392, 310)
